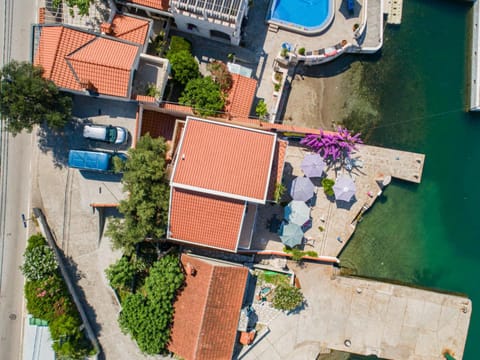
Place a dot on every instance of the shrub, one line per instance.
(278, 192)
(287, 297)
(152, 90)
(36, 240)
(178, 43)
(301, 51)
(39, 262)
(221, 75)
(327, 185)
(147, 315)
(121, 273)
(261, 109)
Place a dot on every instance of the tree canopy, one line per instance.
(204, 96)
(147, 315)
(184, 66)
(27, 99)
(146, 208)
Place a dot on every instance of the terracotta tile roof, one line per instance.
(41, 15)
(207, 310)
(240, 96)
(145, 99)
(154, 4)
(73, 58)
(56, 42)
(130, 28)
(106, 64)
(187, 110)
(205, 220)
(277, 167)
(228, 160)
(158, 124)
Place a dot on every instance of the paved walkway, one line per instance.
(386, 320)
(333, 222)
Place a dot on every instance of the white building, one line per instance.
(220, 20)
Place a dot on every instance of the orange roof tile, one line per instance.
(205, 220)
(154, 4)
(277, 167)
(224, 159)
(72, 58)
(130, 28)
(187, 110)
(207, 310)
(56, 42)
(158, 124)
(240, 96)
(106, 64)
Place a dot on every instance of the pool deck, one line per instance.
(333, 222)
(387, 320)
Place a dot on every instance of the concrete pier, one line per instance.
(475, 65)
(366, 317)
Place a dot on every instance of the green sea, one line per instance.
(427, 234)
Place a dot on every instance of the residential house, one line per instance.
(222, 172)
(207, 310)
(111, 64)
(219, 20)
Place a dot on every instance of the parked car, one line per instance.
(93, 160)
(107, 133)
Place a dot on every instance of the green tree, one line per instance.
(39, 262)
(27, 99)
(147, 318)
(146, 208)
(204, 96)
(287, 297)
(184, 66)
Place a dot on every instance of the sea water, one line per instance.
(426, 234)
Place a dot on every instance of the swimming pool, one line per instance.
(307, 16)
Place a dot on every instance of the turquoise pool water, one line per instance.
(309, 15)
(427, 234)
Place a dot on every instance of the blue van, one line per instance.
(93, 160)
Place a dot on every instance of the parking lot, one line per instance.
(65, 195)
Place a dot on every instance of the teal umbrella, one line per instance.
(292, 235)
(297, 212)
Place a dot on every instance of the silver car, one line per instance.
(106, 133)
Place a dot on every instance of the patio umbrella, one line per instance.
(292, 235)
(297, 212)
(313, 165)
(302, 189)
(344, 188)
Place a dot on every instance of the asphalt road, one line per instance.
(16, 18)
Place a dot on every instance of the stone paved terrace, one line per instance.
(335, 222)
(382, 319)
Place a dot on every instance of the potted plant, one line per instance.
(355, 27)
(301, 51)
(284, 53)
(277, 87)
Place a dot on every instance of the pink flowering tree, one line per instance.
(333, 147)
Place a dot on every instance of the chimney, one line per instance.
(190, 269)
(106, 28)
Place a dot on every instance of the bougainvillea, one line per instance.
(333, 146)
